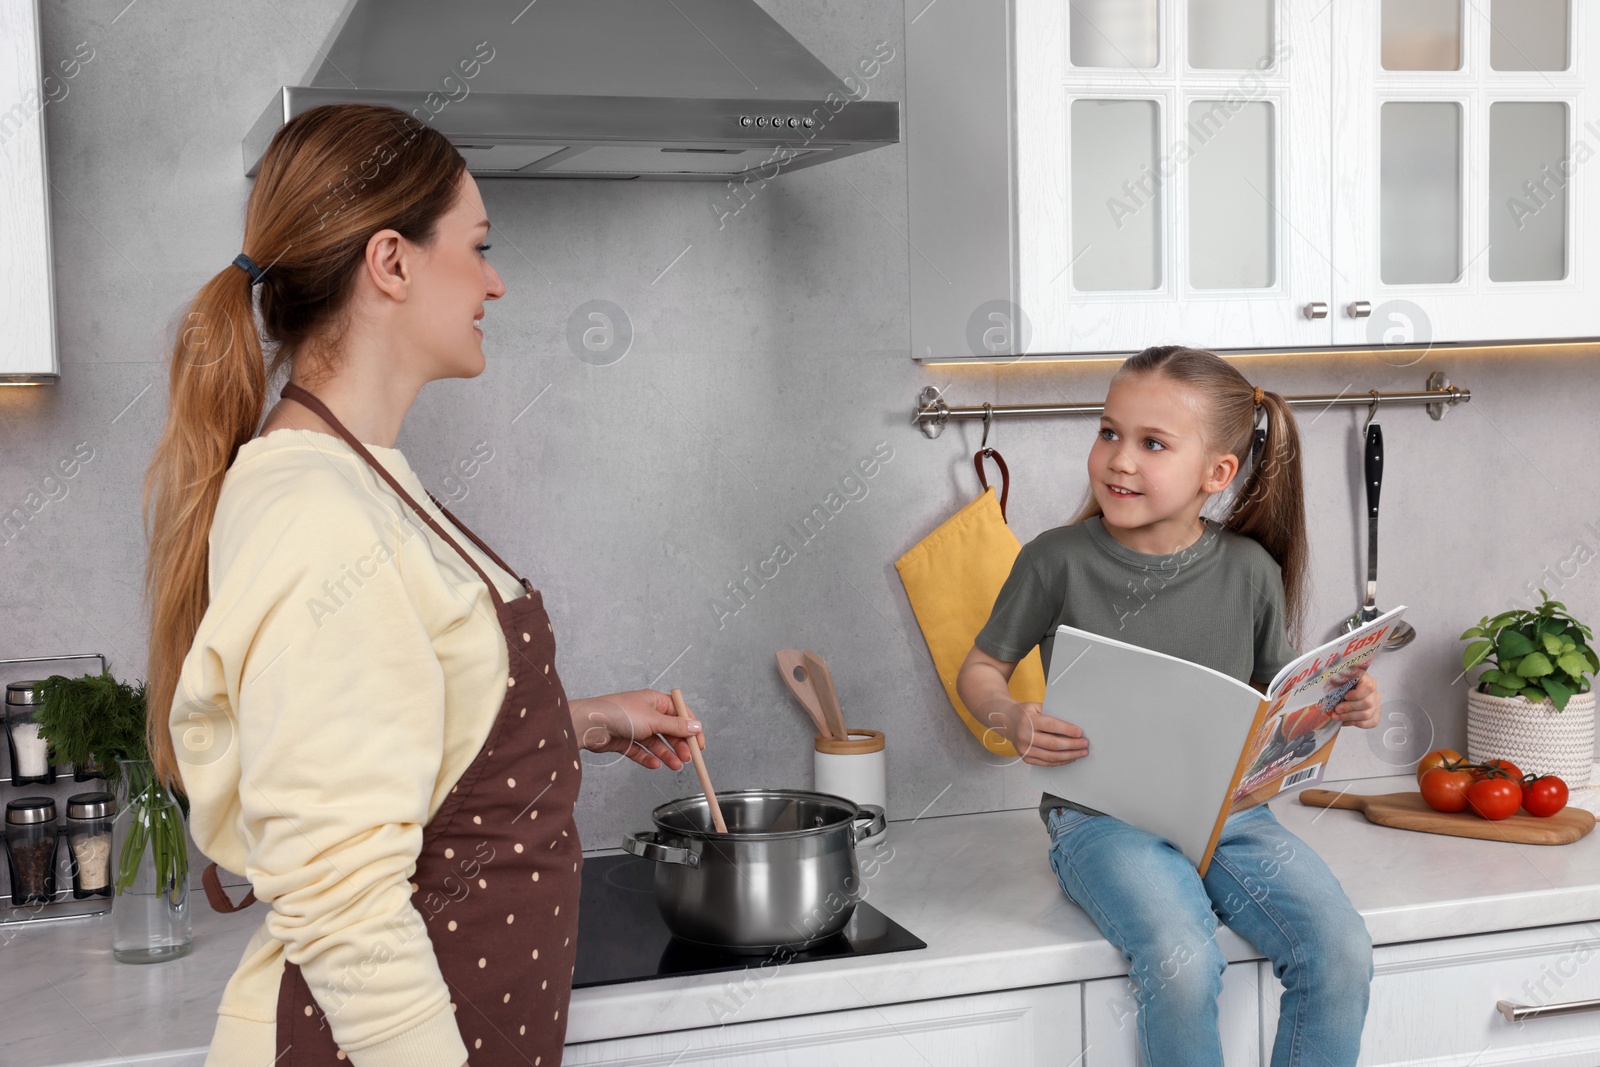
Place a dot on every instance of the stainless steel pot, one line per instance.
(784, 875)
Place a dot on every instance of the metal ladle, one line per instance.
(1403, 633)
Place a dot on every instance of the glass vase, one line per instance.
(151, 920)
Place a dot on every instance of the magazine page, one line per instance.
(1164, 736)
(1291, 746)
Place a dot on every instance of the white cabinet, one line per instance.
(1434, 1002)
(1091, 176)
(1017, 1027)
(1110, 1018)
(1169, 172)
(1465, 206)
(27, 302)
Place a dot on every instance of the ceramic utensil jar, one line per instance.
(853, 769)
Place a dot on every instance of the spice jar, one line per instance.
(31, 849)
(88, 825)
(30, 754)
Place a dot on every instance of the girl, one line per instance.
(1141, 565)
(357, 694)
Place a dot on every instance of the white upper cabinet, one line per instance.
(1093, 176)
(1168, 172)
(27, 302)
(1464, 196)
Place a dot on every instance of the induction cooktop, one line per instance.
(622, 937)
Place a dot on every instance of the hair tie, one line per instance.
(1258, 438)
(248, 265)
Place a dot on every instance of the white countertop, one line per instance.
(977, 888)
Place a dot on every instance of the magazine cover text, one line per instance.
(1292, 744)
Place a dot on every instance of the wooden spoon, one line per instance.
(700, 766)
(822, 682)
(792, 668)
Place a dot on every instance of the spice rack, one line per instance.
(62, 904)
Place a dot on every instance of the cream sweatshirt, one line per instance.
(347, 671)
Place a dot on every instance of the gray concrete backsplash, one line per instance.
(699, 503)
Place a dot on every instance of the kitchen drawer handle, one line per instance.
(648, 846)
(1515, 1013)
(1359, 309)
(1316, 310)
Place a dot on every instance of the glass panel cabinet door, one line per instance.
(1171, 173)
(1464, 208)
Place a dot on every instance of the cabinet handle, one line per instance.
(1359, 309)
(1515, 1013)
(1316, 310)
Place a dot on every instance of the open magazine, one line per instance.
(1176, 747)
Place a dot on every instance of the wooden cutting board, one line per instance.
(1408, 811)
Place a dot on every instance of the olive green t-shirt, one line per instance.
(1218, 602)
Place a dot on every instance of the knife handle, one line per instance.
(1374, 468)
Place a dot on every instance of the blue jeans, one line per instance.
(1264, 883)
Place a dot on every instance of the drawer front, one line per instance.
(1433, 1002)
(1111, 1013)
(1016, 1027)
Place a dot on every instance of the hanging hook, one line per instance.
(985, 452)
(1372, 410)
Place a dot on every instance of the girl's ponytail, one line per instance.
(331, 178)
(1270, 506)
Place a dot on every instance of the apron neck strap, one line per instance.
(291, 391)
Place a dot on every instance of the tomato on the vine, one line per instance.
(1496, 768)
(1446, 790)
(1544, 796)
(1494, 798)
(1437, 758)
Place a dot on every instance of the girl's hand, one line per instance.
(1361, 706)
(1043, 740)
(641, 724)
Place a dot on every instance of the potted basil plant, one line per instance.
(1533, 704)
(98, 717)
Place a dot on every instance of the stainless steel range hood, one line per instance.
(676, 90)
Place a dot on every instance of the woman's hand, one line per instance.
(641, 724)
(1360, 706)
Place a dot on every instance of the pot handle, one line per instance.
(647, 845)
(874, 820)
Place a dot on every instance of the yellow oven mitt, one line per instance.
(952, 578)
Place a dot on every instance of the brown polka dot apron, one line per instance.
(497, 879)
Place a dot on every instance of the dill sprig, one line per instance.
(98, 717)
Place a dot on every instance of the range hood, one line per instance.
(676, 90)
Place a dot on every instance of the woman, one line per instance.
(360, 702)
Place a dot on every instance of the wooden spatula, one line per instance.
(792, 668)
(1408, 811)
(822, 682)
(700, 765)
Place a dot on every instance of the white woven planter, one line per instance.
(1536, 737)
